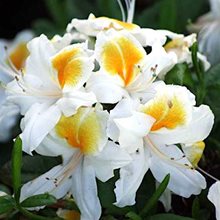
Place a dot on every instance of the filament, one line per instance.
(163, 156)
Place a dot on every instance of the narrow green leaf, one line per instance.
(196, 65)
(195, 208)
(6, 204)
(201, 88)
(16, 166)
(39, 200)
(155, 197)
(168, 217)
(133, 216)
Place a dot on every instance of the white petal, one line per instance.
(123, 109)
(183, 180)
(170, 34)
(72, 101)
(46, 183)
(84, 190)
(133, 129)
(148, 37)
(107, 89)
(131, 177)
(197, 130)
(112, 157)
(214, 197)
(61, 42)
(37, 123)
(8, 118)
(55, 146)
(23, 36)
(38, 63)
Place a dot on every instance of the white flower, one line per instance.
(51, 85)
(214, 197)
(208, 27)
(125, 68)
(149, 133)
(180, 45)
(93, 26)
(12, 58)
(82, 141)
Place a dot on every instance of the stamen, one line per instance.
(163, 156)
(19, 84)
(207, 174)
(69, 168)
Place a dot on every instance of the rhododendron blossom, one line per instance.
(99, 107)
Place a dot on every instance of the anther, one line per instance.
(169, 103)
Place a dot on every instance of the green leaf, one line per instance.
(133, 216)
(212, 98)
(107, 196)
(32, 167)
(57, 11)
(39, 200)
(194, 50)
(5, 189)
(149, 16)
(168, 217)
(195, 208)
(16, 166)
(153, 200)
(7, 203)
(145, 191)
(180, 75)
(161, 14)
(168, 15)
(109, 8)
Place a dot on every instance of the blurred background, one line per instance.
(52, 16)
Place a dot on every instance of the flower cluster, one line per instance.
(102, 105)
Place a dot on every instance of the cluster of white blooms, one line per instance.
(61, 92)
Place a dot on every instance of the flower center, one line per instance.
(81, 130)
(168, 113)
(69, 66)
(19, 55)
(120, 57)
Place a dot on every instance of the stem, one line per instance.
(207, 174)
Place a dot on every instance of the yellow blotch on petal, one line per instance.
(19, 55)
(114, 23)
(194, 152)
(82, 130)
(69, 66)
(175, 44)
(169, 113)
(120, 56)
